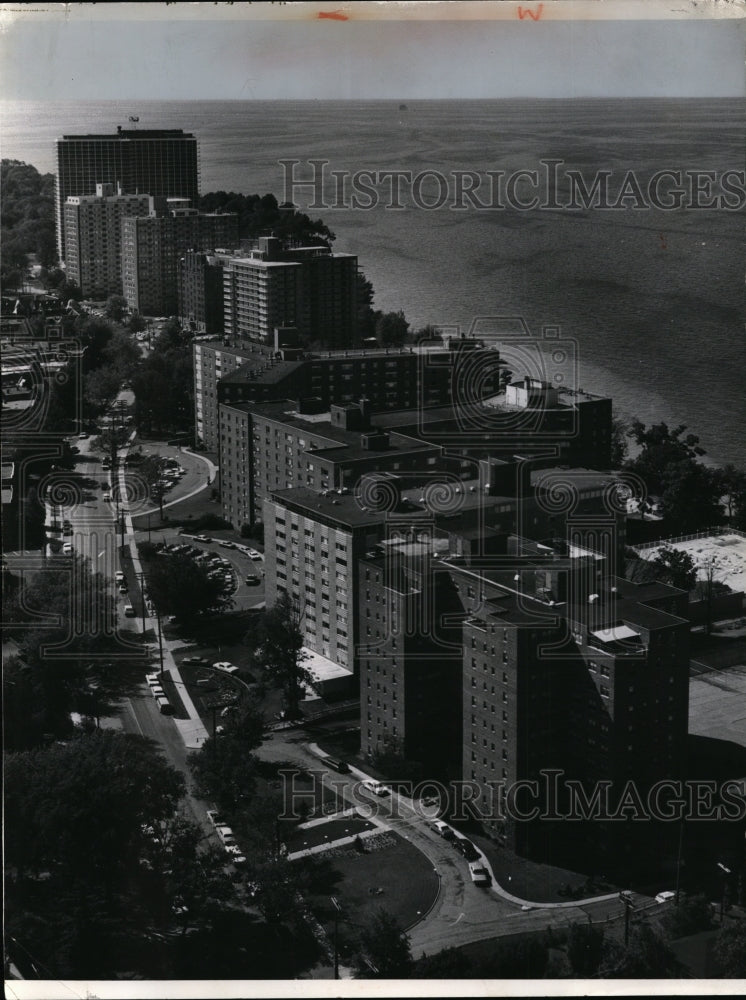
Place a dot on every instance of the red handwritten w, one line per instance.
(524, 12)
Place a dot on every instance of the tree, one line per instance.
(733, 488)
(646, 957)
(179, 586)
(690, 498)
(366, 315)
(282, 651)
(392, 329)
(730, 951)
(659, 448)
(116, 307)
(585, 949)
(387, 946)
(693, 914)
(676, 567)
(707, 570)
(78, 808)
(619, 447)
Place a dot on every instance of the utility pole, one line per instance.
(160, 644)
(337, 910)
(678, 860)
(624, 896)
(142, 596)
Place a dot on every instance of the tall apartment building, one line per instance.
(213, 361)
(266, 447)
(313, 546)
(562, 666)
(389, 378)
(199, 288)
(159, 162)
(308, 288)
(153, 246)
(93, 238)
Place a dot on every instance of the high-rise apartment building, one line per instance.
(93, 238)
(414, 379)
(308, 288)
(153, 246)
(200, 292)
(266, 447)
(159, 162)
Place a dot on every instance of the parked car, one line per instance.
(253, 581)
(214, 817)
(376, 787)
(253, 554)
(227, 545)
(205, 539)
(119, 576)
(479, 874)
(129, 611)
(67, 549)
(663, 897)
(225, 666)
(443, 829)
(106, 496)
(468, 849)
(199, 661)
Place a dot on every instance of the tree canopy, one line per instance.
(281, 649)
(180, 586)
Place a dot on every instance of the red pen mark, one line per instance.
(524, 12)
(664, 245)
(333, 15)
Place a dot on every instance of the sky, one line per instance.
(207, 51)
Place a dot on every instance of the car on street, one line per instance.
(253, 581)
(205, 539)
(129, 611)
(468, 849)
(376, 787)
(67, 529)
(225, 666)
(443, 829)
(199, 661)
(106, 496)
(663, 897)
(479, 874)
(67, 549)
(253, 554)
(123, 587)
(119, 576)
(82, 436)
(227, 545)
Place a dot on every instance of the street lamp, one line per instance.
(726, 872)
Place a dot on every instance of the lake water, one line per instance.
(650, 301)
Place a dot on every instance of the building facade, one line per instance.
(308, 288)
(266, 447)
(158, 162)
(153, 246)
(200, 292)
(93, 238)
(391, 379)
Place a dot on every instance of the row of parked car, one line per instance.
(227, 837)
(161, 698)
(218, 568)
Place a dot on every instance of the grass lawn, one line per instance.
(395, 877)
(325, 833)
(533, 880)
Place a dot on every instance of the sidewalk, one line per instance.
(192, 731)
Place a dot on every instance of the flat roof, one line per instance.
(321, 669)
(343, 509)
